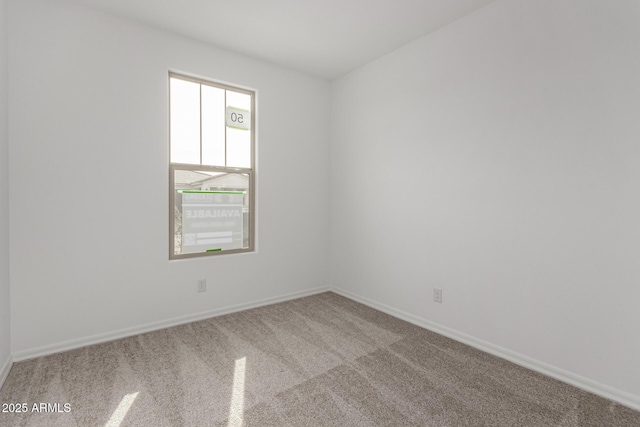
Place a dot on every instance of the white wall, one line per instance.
(498, 159)
(5, 331)
(88, 139)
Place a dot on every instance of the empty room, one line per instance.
(319, 213)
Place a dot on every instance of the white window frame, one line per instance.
(250, 172)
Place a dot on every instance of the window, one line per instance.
(211, 168)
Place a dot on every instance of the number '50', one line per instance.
(237, 118)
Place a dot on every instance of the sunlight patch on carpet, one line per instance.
(121, 411)
(236, 408)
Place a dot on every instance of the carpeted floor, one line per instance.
(323, 360)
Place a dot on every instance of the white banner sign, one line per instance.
(211, 221)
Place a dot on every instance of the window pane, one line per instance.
(211, 211)
(238, 140)
(238, 148)
(185, 121)
(213, 116)
(239, 100)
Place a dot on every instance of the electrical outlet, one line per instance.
(437, 295)
(202, 285)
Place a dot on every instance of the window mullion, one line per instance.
(225, 130)
(200, 124)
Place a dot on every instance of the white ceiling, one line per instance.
(325, 38)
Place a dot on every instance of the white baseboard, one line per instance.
(627, 399)
(4, 370)
(154, 326)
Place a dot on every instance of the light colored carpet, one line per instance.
(323, 360)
